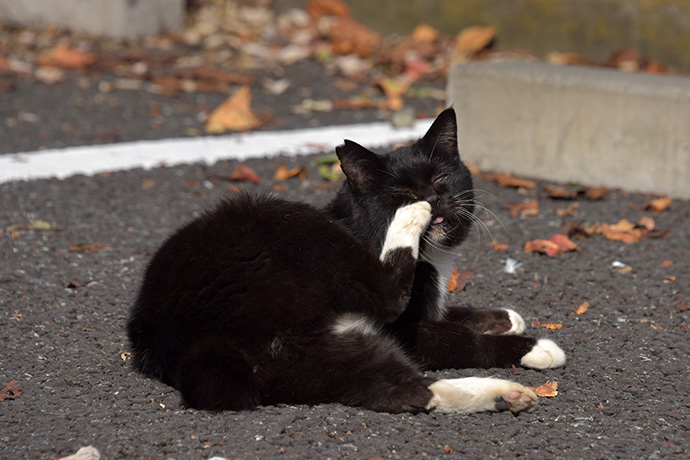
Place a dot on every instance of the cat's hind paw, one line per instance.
(476, 394)
(545, 354)
(516, 321)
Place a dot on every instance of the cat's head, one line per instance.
(429, 170)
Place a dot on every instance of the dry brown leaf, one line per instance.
(320, 8)
(647, 222)
(348, 36)
(394, 89)
(547, 390)
(551, 326)
(560, 193)
(11, 391)
(65, 57)
(659, 205)
(624, 231)
(526, 208)
(474, 39)
(558, 244)
(282, 173)
(666, 263)
(498, 246)
(234, 114)
(570, 211)
(458, 280)
(506, 180)
(582, 309)
(424, 33)
(244, 173)
(597, 193)
(88, 248)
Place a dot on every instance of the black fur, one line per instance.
(238, 308)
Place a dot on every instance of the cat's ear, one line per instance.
(442, 137)
(360, 165)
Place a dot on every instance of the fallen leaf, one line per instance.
(624, 231)
(547, 390)
(670, 278)
(558, 244)
(647, 222)
(659, 205)
(498, 246)
(597, 193)
(424, 33)
(582, 309)
(458, 280)
(472, 40)
(546, 325)
(243, 173)
(320, 8)
(394, 89)
(66, 57)
(11, 391)
(348, 36)
(560, 193)
(526, 208)
(666, 263)
(331, 173)
(33, 225)
(282, 173)
(235, 114)
(73, 284)
(570, 211)
(506, 180)
(88, 248)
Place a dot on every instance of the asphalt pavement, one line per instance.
(73, 252)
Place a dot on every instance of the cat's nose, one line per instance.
(433, 200)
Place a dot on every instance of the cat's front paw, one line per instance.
(545, 354)
(407, 227)
(414, 217)
(475, 394)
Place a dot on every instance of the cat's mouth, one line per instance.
(438, 227)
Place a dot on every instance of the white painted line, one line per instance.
(89, 160)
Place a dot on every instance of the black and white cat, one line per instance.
(264, 301)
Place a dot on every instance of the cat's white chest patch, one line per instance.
(354, 323)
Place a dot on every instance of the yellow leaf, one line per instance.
(235, 114)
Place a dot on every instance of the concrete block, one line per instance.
(124, 19)
(584, 125)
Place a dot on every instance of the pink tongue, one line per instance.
(438, 220)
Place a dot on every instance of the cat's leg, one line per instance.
(477, 394)
(448, 344)
(406, 229)
(213, 374)
(356, 365)
(495, 321)
(399, 257)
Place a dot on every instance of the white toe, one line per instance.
(545, 354)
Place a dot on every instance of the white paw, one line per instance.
(545, 354)
(518, 324)
(407, 227)
(476, 394)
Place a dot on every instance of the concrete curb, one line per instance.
(126, 19)
(575, 124)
